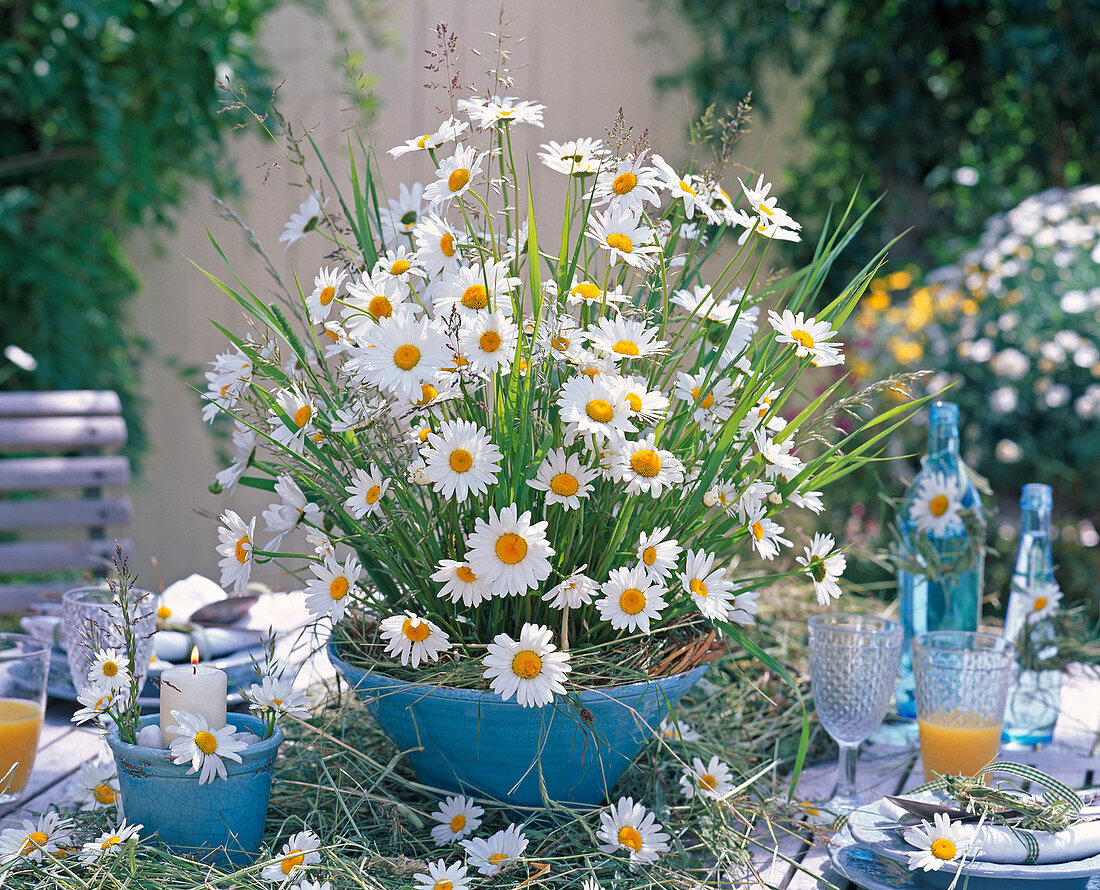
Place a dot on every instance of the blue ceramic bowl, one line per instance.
(471, 741)
(221, 822)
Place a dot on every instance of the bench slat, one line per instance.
(61, 402)
(61, 433)
(57, 556)
(26, 597)
(52, 473)
(83, 513)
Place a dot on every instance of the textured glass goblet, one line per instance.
(91, 619)
(853, 666)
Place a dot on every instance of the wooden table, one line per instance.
(794, 863)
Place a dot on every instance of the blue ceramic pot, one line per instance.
(221, 822)
(470, 741)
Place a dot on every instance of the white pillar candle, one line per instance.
(197, 688)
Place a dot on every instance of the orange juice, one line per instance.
(20, 724)
(957, 742)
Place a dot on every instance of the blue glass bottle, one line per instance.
(936, 599)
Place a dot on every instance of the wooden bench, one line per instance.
(58, 462)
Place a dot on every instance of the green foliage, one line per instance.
(108, 108)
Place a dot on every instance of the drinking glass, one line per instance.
(24, 667)
(91, 619)
(962, 680)
(853, 667)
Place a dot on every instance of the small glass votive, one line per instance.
(91, 619)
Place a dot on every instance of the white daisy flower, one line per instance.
(779, 462)
(584, 292)
(294, 507)
(400, 216)
(412, 638)
(530, 668)
(595, 406)
(623, 338)
(630, 826)
(369, 300)
(645, 468)
(577, 157)
(299, 852)
(109, 670)
(244, 440)
(574, 591)
(206, 748)
(624, 235)
(299, 410)
(767, 209)
(712, 402)
(448, 131)
(321, 543)
(326, 288)
(473, 289)
(766, 534)
(327, 591)
(404, 353)
(657, 553)
(110, 842)
(94, 785)
(824, 567)
(310, 213)
(509, 551)
(400, 265)
(488, 342)
(564, 478)
(490, 855)
(437, 245)
(460, 583)
(306, 884)
(936, 505)
(629, 183)
(707, 586)
(939, 842)
(34, 841)
(808, 336)
(702, 302)
(457, 817)
(678, 730)
(807, 500)
(441, 876)
(631, 600)
(496, 110)
(646, 405)
(744, 608)
(1043, 601)
(713, 780)
(236, 550)
(763, 228)
(461, 459)
(454, 176)
(687, 188)
(367, 490)
(96, 702)
(278, 694)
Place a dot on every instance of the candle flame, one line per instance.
(194, 655)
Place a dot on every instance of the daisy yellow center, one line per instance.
(649, 555)
(400, 267)
(422, 141)
(591, 373)
(942, 848)
(1040, 603)
(242, 550)
(698, 587)
(620, 242)
(526, 664)
(461, 460)
(417, 632)
(104, 794)
(443, 884)
(706, 401)
(803, 338)
(327, 295)
(489, 342)
(708, 781)
(632, 601)
(586, 291)
(380, 307)
(406, 357)
(163, 612)
(293, 860)
(646, 462)
(465, 573)
(475, 297)
(626, 347)
(628, 837)
(817, 569)
(423, 434)
(447, 244)
(110, 669)
(373, 494)
(564, 484)
(511, 548)
(599, 410)
(758, 530)
(635, 401)
(408, 220)
(110, 842)
(498, 858)
(302, 416)
(427, 393)
(206, 742)
(687, 188)
(624, 183)
(560, 343)
(101, 703)
(938, 505)
(34, 840)
(338, 587)
(458, 179)
(764, 209)
(331, 334)
(458, 822)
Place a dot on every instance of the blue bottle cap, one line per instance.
(1037, 496)
(943, 412)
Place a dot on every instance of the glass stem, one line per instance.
(846, 774)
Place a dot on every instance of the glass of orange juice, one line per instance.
(962, 680)
(24, 667)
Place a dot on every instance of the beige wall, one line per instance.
(582, 58)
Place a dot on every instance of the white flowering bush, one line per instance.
(525, 464)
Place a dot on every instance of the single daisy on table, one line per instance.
(1043, 601)
(824, 567)
(938, 843)
(460, 583)
(936, 505)
(577, 157)
(304, 221)
(808, 336)
(657, 553)
(110, 842)
(624, 235)
(765, 533)
(457, 817)
(631, 827)
(437, 245)
(404, 353)
(530, 668)
(623, 338)
(413, 639)
(631, 599)
(94, 786)
(35, 840)
(575, 591)
(326, 592)
(488, 342)
(454, 176)
(646, 405)
(279, 695)
(109, 670)
(299, 852)
(448, 131)
(489, 855)
(564, 478)
(326, 288)
(678, 730)
(367, 490)
(713, 780)
(687, 188)
(628, 183)
(645, 468)
(707, 586)
(595, 406)
(442, 876)
(509, 551)
(206, 748)
(461, 459)
(402, 214)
